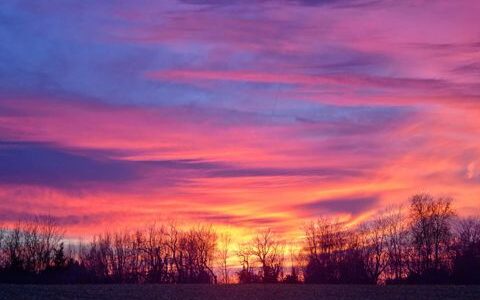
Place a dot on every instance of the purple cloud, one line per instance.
(352, 205)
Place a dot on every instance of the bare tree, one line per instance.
(269, 252)
(246, 274)
(397, 243)
(156, 254)
(96, 257)
(119, 256)
(431, 232)
(172, 243)
(14, 251)
(374, 242)
(50, 239)
(31, 245)
(468, 232)
(466, 260)
(326, 240)
(224, 253)
(204, 241)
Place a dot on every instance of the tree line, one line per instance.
(425, 244)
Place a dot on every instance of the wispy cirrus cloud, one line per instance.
(241, 111)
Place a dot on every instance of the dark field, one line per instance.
(250, 292)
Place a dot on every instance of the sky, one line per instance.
(241, 114)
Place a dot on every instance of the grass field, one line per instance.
(250, 292)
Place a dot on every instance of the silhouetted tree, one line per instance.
(373, 243)
(397, 244)
(247, 274)
(162, 255)
(223, 253)
(96, 258)
(269, 253)
(264, 253)
(156, 255)
(466, 261)
(59, 259)
(352, 267)
(431, 238)
(326, 241)
(197, 253)
(29, 248)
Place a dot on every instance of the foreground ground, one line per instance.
(248, 292)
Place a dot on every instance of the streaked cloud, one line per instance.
(239, 113)
(352, 206)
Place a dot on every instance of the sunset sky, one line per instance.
(241, 114)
